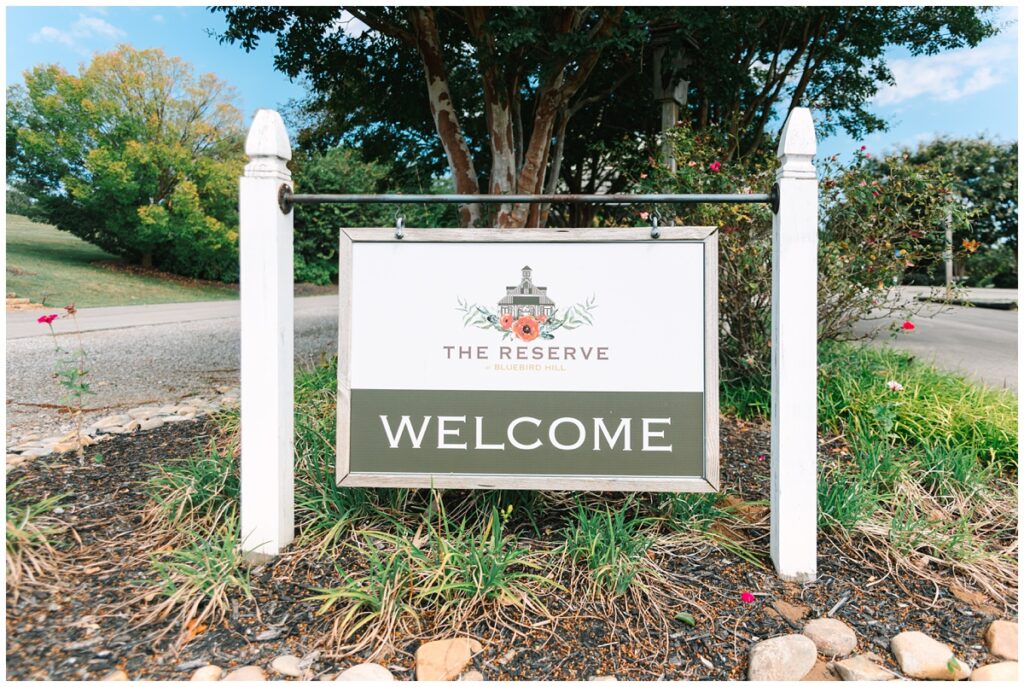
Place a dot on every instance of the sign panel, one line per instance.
(575, 359)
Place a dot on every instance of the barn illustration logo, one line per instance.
(527, 312)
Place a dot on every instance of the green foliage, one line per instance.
(136, 155)
(743, 65)
(984, 179)
(211, 566)
(342, 170)
(876, 222)
(610, 542)
(27, 524)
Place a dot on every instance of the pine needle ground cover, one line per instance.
(918, 517)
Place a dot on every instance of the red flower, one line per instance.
(542, 319)
(47, 319)
(715, 166)
(908, 326)
(506, 321)
(526, 328)
(747, 598)
(863, 147)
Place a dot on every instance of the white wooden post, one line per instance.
(266, 281)
(794, 493)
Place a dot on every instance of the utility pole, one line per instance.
(670, 89)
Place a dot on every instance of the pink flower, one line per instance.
(47, 319)
(644, 214)
(894, 385)
(863, 183)
(874, 193)
(643, 175)
(715, 166)
(907, 326)
(747, 598)
(762, 457)
(863, 147)
(867, 155)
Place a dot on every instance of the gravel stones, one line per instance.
(445, 659)
(1001, 639)
(115, 676)
(789, 658)
(207, 673)
(287, 665)
(368, 672)
(861, 669)
(996, 672)
(920, 656)
(832, 637)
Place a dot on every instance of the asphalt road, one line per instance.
(141, 355)
(980, 343)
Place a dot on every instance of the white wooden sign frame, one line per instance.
(706, 236)
(267, 365)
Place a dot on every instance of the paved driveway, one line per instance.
(141, 355)
(980, 343)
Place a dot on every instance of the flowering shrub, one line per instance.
(877, 218)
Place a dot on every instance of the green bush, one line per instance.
(876, 221)
(135, 154)
(317, 227)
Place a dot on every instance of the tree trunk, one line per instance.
(146, 261)
(442, 107)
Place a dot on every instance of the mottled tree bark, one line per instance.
(442, 107)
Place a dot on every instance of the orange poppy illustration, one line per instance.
(526, 328)
(506, 321)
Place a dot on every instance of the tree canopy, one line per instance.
(135, 154)
(530, 99)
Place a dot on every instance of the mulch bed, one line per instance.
(81, 629)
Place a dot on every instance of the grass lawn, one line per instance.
(55, 268)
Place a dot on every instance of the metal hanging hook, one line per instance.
(655, 232)
(399, 227)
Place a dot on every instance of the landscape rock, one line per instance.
(834, 638)
(820, 673)
(793, 613)
(472, 676)
(445, 659)
(604, 678)
(115, 676)
(1001, 639)
(111, 421)
(789, 657)
(287, 665)
(920, 656)
(369, 672)
(861, 669)
(151, 423)
(207, 673)
(996, 672)
(254, 673)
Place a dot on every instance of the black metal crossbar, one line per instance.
(288, 199)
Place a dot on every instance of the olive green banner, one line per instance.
(646, 434)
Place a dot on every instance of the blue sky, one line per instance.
(959, 93)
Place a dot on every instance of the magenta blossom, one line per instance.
(747, 598)
(47, 319)
(715, 166)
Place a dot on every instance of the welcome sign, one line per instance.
(574, 359)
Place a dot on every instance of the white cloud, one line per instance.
(950, 76)
(84, 29)
(48, 34)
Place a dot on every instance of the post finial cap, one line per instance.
(798, 134)
(268, 137)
